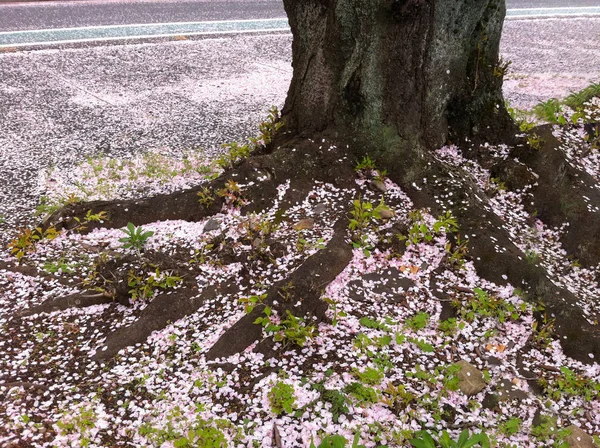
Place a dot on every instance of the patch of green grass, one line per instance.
(363, 394)
(374, 324)
(571, 384)
(424, 439)
(144, 286)
(483, 304)
(549, 110)
(548, 429)
(290, 330)
(576, 100)
(337, 441)
(511, 426)
(60, 265)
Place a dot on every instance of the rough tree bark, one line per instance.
(397, 75)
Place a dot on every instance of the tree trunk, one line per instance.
(396, 74)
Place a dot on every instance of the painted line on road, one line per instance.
(530, 13)
(60, 36)
(139, 31)
(152, 25)
(139, 37)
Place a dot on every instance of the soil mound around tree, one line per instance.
(305, 287)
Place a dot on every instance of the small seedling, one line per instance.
(88, 218)
(232, 194)
(418, 321)
(26, 240)
(366, 164)
(234, 153)
(136, 237)
(336, 313)
(362, 215)
(206, 197)
(292, 329)
(282, 398)
(420, 231)
(482, 304)
(251, 302)
(337, 441)
(369, 376)
(268, 128)
(145, 286)
(424, 439)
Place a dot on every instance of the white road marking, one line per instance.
(149, 36)
(524, 13)
(146, 25)
(59, 36)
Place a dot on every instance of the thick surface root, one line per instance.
(260, 175)
(66, 302)
(492, 248)
(163, 310)
(559, 193)
(300, 294)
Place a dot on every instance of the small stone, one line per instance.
(320, 209)
(304, 224)
(258, 242)
(211, 225)
(493, 361)
(378, 185)
(470, 378)
(490, 401)
(579, 439)
(387, 213)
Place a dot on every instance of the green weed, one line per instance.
(282, 399)
(290, 330)
(144, 286)
(136, 237)
(424, 439)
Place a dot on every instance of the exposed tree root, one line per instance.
(495, 256)
(66, 302)
(259, 175)
(559, 194)
(159, 313)
(498, 259)
(300, 293)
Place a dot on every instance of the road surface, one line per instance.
(42, 15)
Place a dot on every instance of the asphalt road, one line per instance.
(43, 15)
(89, 13)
